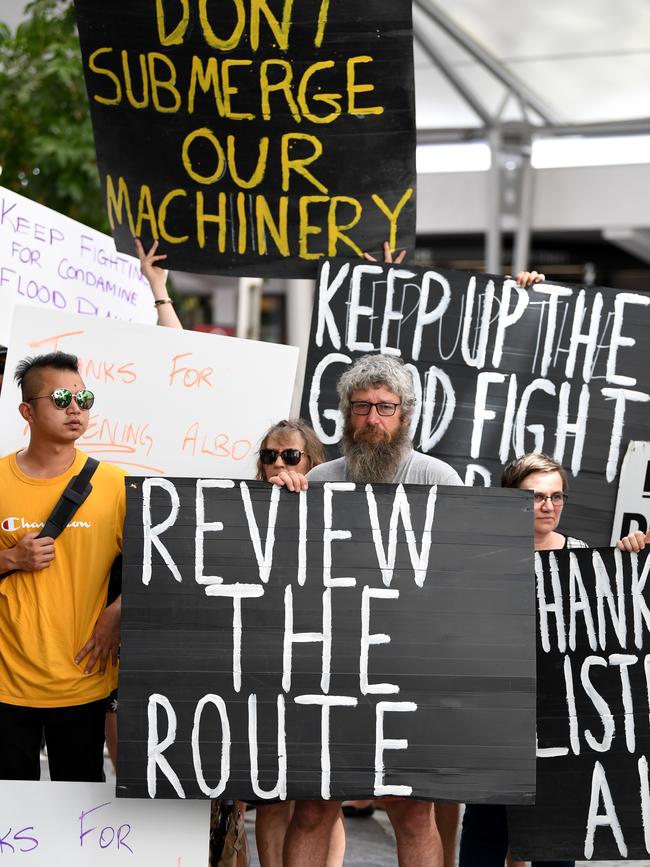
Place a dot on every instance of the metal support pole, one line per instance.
(453, 78)
(493, 230)
(521, 252)
(249, 296)
(487, 60)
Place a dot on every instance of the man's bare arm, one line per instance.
(105, 640)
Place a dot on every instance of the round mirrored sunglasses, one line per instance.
(62, 398)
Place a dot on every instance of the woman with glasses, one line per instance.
(484, 838)
(548, 481)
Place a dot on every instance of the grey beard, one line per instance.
(374, 462)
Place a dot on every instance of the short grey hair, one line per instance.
(369, 371)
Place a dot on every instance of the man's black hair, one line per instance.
(57, 360)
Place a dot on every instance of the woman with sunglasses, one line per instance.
(484, 838)
(288, 445)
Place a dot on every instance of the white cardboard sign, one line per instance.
(633, 499)
(167, 402)
(52, 262)
(84, 825)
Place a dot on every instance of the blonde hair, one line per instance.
(516, 471)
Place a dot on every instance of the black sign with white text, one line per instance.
(350, 641)
(498, 371)
(593, 688)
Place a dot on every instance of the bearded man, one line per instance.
(377, 400)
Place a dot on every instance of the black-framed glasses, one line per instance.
(291, 457)
(363, 407)
(556, 499)
(62, 398)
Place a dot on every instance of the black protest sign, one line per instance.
(253, 136)
(350, 641)
(499, 371)
(593, 675)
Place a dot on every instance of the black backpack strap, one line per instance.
(73, 496)
(75, 493)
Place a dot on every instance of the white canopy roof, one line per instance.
(567, 62)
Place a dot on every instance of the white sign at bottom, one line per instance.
(84, 825)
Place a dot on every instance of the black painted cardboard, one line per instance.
(461, 646)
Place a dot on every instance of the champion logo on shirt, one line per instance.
(10, 525)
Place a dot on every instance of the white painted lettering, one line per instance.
(382, 744)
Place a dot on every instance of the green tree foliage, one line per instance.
(46, 142)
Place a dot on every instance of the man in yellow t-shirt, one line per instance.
(58, 651)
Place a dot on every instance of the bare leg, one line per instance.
(271, 823)
(110, 734)
(447, 821)
(418, 841)
(337, 843)
(309, 833)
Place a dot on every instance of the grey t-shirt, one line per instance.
(415, 469)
